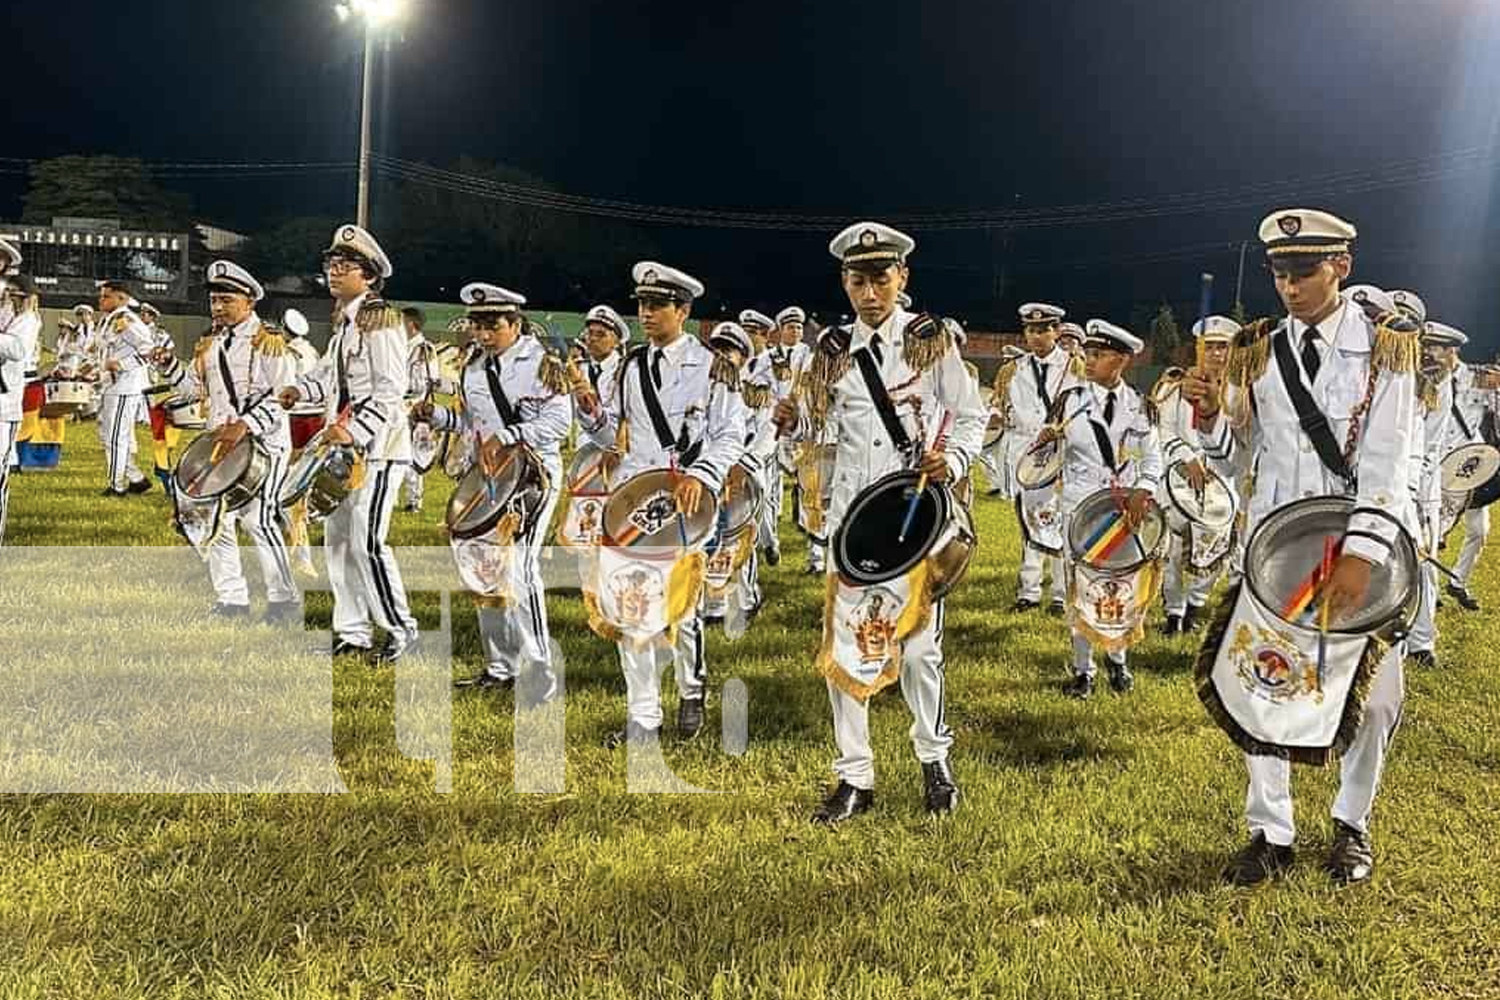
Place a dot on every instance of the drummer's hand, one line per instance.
(689, 495)
(785, 415)
(491, 452)
(112, 367)
(1204, 391)
(588, 403)
(421, 412)
(1348, 586)
(289, 397)
(232, 433)
(1137, 506)
(1048, 434)
(337, 434)
(1197, 476)
(935, 467)
(1488, 380)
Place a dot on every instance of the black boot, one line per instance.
(1352, 859)
(486, 681)
(1121, 681)
(1463, 597)
(844, 803)
(940, 794)
(689, 718)
(1192, 619)
(1080, 687)
(1173, 625)
(1258, 861)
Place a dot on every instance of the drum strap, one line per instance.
(1314, 423)
(1039, 373)
(228, 377)
(881, 397)
(507, 412)
(1106, 447)
(658, 416)
(340, 375)
(1458, 417)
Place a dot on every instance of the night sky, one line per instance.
(849, 109)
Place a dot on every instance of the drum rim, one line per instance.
(710, 501)
(1177, 503)
(257, 450)
(1483, 447)
(1399, 613)
(487, 523)
(1034, 447)
(288, 496)
(946, 503)
(1153, 512)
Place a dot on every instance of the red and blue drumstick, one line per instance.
(940, 445)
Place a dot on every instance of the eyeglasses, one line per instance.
(339, 265)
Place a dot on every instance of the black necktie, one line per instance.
(594, 375)
(1311, 360)
(656, 366)
(1109, 410)
(875, 350)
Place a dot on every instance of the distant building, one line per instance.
(70, 257)
(216, 240)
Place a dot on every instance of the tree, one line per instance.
(294, 247)
(1164, 333)
(103, 187)
(1238, 314)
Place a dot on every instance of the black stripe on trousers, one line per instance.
(269, 526)
(383, 589)
(114, 442)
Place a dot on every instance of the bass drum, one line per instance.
(867, 550)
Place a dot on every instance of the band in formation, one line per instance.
(1315, 465)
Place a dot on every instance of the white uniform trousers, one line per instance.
(362, 569)
(8, 431)
(261, 520)
(1476, 530)
(1422, 637)
(1268, 805)
(997, 473)
(741, 600)
(415, 486)
(516, 639)
(642, 670)
(769, 537)
(1180, 588)
(118, 414)
(1083, 657)
(1033, 564)
(923, 682)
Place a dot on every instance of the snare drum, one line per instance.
(427, 446)
(209, 471)
(65, 397)
(517, 484)
(994, 431)
(739, 510)
(1271, 683)
(642, 515)
(1472, 470)
(588, 490)
(185, 415)
(1204, 519)
(1040, 465)
(867, 550)
(1116, 572)
(324, 476)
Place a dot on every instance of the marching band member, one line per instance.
(1431, 434)
(1473, 400)
(20, 327)
(164, 436)
(295, 326)
(737, 604)
(993, 459)
(77, 337)
(1326, 400)
(512, 392)
(422, 376)
(675, 408)
(123, 345)
(790, 358)
(239, 372)
(1070, 337)
(769, 365)
(1110, 441)
(605, 337)
(891, 354)
(1185, 593)
(362, 381)
(1027, 388)
(791, 353)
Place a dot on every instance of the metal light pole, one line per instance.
(368, 86)
(1239, 280)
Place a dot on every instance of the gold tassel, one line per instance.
(1396, 350)
(757, 397)
(922, 353)
(1166, 385)
(1003, 378)
(554, 375)
(1077, 368)
(684, 587)
(1250, 354)
(377, 314)
(725, 372)
(268, 342)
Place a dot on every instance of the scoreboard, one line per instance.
(70, 257)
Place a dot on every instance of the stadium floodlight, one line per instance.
(377, 14)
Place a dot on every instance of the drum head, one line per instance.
(200, 477)
(1213, 508)
(1469, 467)
(642, 514)
(1096, 538)
(866, 549)
(994, 431)
(741, 503)
(1287, 548)
(586, 473)
(1040, 465)
(479, 502)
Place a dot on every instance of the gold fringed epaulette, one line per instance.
(1153, 412)
(1076, 367)
(757, 397)
(1398, 346)
(972, 369)
(725, 372)
(924, 342)
(1250, 353)
(553, 374)
(377, 314)
(268, 342)
(1165, 386)
(1004, 377)
(1429, 393)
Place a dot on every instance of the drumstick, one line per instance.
(1327, 572)
(681, 518)
(939, 445)
(1205, 303)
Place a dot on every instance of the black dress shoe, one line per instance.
(713, 621)
(845, 803)
(1057, 609)
(486, 681)
(139, 486)
(1258, 861)
(393, 649)
(634, 734)
(940, 794)
(222, 610)
(1463, 597)
(1173, 625)
(1426, 659)
(773, 556)
(283, 613)
(1121, 681)
(1080, 687)
(689, 718)
(1352, 859)
(1192, 619)
(113, 494)
(1022, 604)
(342, 648)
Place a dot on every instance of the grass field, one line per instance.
(1083, 862)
